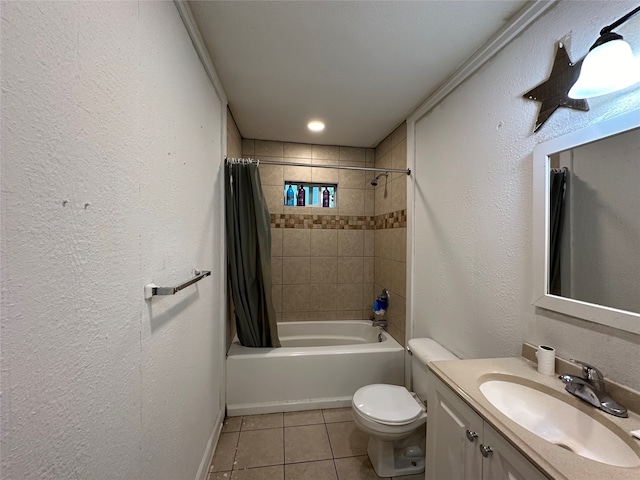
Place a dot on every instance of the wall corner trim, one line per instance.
(501, 39)
(201, 49)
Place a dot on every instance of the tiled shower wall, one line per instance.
(323, 261)
(391, 231)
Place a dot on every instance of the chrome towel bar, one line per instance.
(152, 289)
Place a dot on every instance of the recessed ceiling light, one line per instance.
(315, 126)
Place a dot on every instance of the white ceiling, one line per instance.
(360, 66)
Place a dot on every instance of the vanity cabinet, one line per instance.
(462, 446)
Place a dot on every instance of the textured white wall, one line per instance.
(472, 287)
(111, 154)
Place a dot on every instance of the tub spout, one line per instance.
(379, 323)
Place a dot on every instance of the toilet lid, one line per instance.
(387, 404)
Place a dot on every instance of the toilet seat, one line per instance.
(387, 404)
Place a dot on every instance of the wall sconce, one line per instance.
(609, 66)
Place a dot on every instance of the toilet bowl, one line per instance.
(394, 418)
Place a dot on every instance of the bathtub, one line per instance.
(320, 365)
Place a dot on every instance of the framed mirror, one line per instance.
(586, 223)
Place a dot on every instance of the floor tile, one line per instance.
(355, 468)
(324, 470)
(346, 440)
(418, 476)
(259, 448)
(333, 415)
(306, 443)
(311, 417)
(259, 422)
(219, 476)
(231, 424)
(261, 473)
(225, 452)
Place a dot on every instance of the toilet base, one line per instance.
(402, 457)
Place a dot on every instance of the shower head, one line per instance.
(374, 182)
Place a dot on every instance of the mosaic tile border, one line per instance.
(396, 219)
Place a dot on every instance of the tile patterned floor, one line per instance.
(311, 445)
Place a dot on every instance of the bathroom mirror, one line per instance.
(586, 232)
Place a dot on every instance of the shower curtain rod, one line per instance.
(317, 165)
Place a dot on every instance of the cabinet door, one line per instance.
(453, 431)
(503, 461)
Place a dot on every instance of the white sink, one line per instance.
(560, 423)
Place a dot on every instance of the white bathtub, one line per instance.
(320, 365)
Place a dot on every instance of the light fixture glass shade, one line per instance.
(607, 68)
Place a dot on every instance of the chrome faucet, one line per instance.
(591, 388)
(378, 323)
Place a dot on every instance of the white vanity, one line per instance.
(469, 437)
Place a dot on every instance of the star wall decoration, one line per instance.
(553, 92)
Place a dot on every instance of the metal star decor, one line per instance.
(553, 92)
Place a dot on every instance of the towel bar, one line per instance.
(152, 289)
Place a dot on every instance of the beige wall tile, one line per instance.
(307, 316)
(325, 152)
(324, 270)
(367, 270)
(276, 270)
(349, 297)
(399, 156)
(248, 148)
(350, 201)
(234, 139)
(370, 157)
(276, 242)
(295, 298)
(383, 148)
(271, 175)
(296, 242)
(399, 195)
(322, 297)
(274, 195)
(324, 243)
(295, 271)
(353, 154)
(350, 270)
(297, 174)
(369, 294)
(369, 243)
(297, 150)
(351, 315)
(351, 179)
(268, 148)
(276, 295)
(350, 243)
(370, 201)
(324, 175)
(399, 135)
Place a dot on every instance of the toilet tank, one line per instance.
(425, 350)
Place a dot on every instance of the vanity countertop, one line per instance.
(465, 376)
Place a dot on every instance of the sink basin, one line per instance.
(559, 422)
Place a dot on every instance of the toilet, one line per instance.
(394, 418)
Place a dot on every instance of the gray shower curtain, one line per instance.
(558, 185)
(249, 256)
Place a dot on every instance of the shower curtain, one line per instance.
(558, 182)
(249, 256)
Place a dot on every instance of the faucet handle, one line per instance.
(591, 374)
